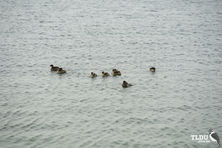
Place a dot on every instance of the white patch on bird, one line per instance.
(211, 138)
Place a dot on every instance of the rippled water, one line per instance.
(39, 109)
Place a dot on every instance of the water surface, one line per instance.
(181, 38)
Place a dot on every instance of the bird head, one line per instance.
(210, 130)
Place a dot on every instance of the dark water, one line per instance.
(40, 109)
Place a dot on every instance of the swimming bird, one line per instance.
(214, 136)
(105, 74)
(54, 68)
(152, 69)
(125, 84)
(61, 71)
(115, 72)
(93, 75)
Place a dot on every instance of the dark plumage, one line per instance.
(125, 84)
(54, 68)
(214, 136)
(93, 75)
(152, 69)
(61, 71)
(115, 72)
(105, 74)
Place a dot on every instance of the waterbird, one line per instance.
(125, 84)
(105, 74)
(61, 71)
(54, 68)
(214, 136)
(152, 69)
(116, 72)
(93, 75)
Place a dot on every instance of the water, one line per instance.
(181, 38)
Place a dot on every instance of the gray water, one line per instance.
(41, 109)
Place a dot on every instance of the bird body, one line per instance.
(54, 68)
(126, 84)
(61, 71)
(105, 74)
(152, 69)
(214, 136)
(93, 75)
(115, 72)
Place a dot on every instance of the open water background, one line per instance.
(40, 109)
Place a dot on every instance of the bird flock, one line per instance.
(93, 75)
